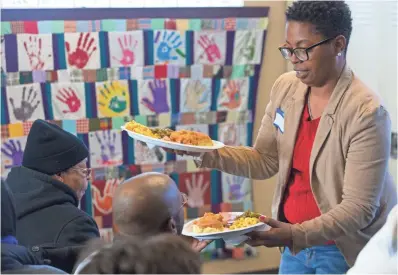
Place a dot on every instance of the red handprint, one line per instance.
(210, 47)
(127, 47)
(69, 97)
(104, 203)
(232, 91)
(33, 50)
(82, 54)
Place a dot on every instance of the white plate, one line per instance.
(226, 234)
(153, 142)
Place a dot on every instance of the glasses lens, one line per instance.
(285, 53)
(301, 54)
(88, 172)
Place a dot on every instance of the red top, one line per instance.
(299, 202)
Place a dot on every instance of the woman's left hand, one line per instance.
(279, 235)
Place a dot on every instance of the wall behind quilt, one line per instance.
(91, 70)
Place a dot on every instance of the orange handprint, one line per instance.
(103, 203)
(233, 94)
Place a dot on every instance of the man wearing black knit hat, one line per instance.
(47, 189)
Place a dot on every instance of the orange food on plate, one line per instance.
(209, 223)
(139, 129)
(191, 138)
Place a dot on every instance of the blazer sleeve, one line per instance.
(257, 162)
(365, 171)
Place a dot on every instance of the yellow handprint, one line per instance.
(113, 99)
(193, 96)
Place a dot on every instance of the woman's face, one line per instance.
(317, 70)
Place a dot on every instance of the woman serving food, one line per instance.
(327, 136)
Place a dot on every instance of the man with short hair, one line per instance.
(150, 204)
(47, 189)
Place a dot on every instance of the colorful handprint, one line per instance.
(127, 47)
(229, 135)
(197, 97)
(144, 155)
(27, 106)
(236, 188)
(33, 50)
(210, 48)
(69, 98)
(103, 202)
(83, 51)
(196, 190)
(247, 49)
(106, 148)
(168, 48)
(113, 99)
(107, 145)
(13, 150)
(232, 93)
(159, 91)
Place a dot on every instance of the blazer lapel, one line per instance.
(293, 114)
(328, 116)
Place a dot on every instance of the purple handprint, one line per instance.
(14, 152)
(159, 94)
(107, 145)
(236, 191)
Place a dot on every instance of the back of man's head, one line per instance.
(148, 204)
(161, 254)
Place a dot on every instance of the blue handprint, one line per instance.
(14, 152)
(168, 45)
(107, 145)
(235, 185)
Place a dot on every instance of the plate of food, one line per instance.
(183, 140)
(224, 225)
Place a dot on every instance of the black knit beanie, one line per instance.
(51, 150)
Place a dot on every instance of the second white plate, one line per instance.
(227, 234)
(152, 142)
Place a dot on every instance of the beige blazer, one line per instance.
(349, 162)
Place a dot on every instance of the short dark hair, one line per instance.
(161, 254)
(330, 18)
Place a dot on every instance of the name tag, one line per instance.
(279, 121)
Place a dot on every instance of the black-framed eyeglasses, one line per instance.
(85, 171)
(184, 200)
(301, 53)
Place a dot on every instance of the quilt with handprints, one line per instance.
(90, 77)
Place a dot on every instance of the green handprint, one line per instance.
(113, 99)
(249, 50)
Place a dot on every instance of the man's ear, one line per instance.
(171, 226)
(58, 177)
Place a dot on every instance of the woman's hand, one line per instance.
(278, 236)
(181, 153)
